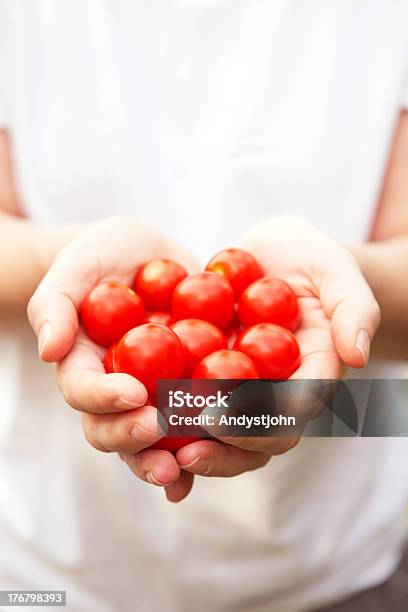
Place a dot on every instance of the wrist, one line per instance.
(366, 256)
(49, 241)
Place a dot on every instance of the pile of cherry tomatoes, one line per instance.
(228, 322)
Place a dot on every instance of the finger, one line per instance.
(52, 310)
(158, 467)
(319, 356)
(128, 432)
(184, 257)
(210, 458)
(271, 446)
(179, 490)
(354, 312)
(319, 365)
(85, 386)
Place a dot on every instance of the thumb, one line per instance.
(349, 302)
(52, 310)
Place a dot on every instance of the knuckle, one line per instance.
(117, 434)
(376, 313)
(33, 307)
(90, 430)
(253, 443)
(108, 434)
(67, 390)
(141, 436)
(283, 445)
(260, 461)
(133, 461)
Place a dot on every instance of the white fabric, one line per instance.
(5, 32)
(203, 116)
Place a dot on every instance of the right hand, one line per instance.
(115, 415)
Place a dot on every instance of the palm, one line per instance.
(286, 250)
(319, 356)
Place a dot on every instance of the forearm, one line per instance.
(26, 252)
(384, 265)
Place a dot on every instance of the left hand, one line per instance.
(115, 417)
(339, 317)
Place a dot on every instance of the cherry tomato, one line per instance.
(109, 311)
(239, 268)
(226, 364)
(109, 359)
(269, 300)
(273, 349)
(156, 280)
(231, 335)
(199, 338)
(164, 318)
(150, 352)
(174, 443)
(206, 296)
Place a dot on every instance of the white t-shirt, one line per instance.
(204, 116)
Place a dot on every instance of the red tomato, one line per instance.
(239, 268)
(109, 359)
(231, 335)
(156, 280)
(226, 364)
(269, 300)
(109, 311)
(150, 352)
(273, 349)
(199, 338)
(164, 318)
(173, 444)
(206, 296)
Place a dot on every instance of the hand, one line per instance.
(339, 317)
(115, 417)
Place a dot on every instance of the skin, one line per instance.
(340, 315)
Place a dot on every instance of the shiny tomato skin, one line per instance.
(226, 364)
(199, 338)
(109, 359)
(109, 311)
(150, 352)
(239, 267)
(206, 296)
(273, 349)
(231, 335)
(269, 300)
(155, 282)
(173, 444)
(164, 318)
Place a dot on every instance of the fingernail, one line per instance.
(123, 403)
(137, 428)
(44, 335)
(150, 478)
(363, 344)
(201, 466)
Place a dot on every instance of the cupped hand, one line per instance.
(115, 416)
(339, 318)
